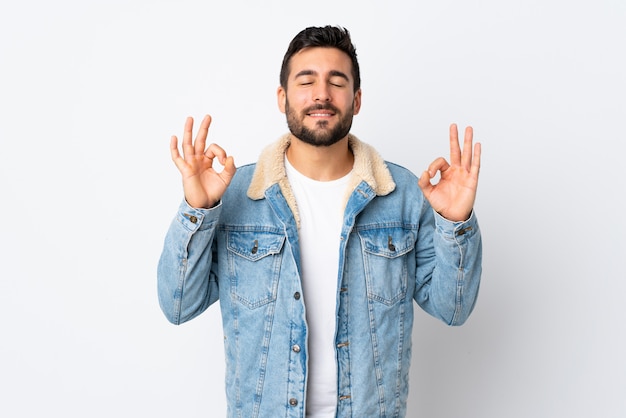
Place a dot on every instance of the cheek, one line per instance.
(298, 99)
(295, 105)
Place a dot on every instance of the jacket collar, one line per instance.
(368, 167)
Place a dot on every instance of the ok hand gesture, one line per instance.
(453, 196)
(203, 185)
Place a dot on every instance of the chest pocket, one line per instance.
(254, 260)
(385, 255)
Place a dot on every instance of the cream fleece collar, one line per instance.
(368, 166)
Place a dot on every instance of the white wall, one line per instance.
(90, 93)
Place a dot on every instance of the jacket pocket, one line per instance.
(385, 256)
(254, 259)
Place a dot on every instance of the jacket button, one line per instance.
(296, 296)
(293, 402)
(192, 218)
(296, 348)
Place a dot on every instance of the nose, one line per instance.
(321, 93)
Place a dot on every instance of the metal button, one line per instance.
(293, 402)
(463, 231)
(296, 348)
(193, 219)
(296, 295)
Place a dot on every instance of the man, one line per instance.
(317, 251)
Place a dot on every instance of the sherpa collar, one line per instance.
(270, 169)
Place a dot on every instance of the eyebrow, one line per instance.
(333, 73)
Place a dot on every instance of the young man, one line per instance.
(317, 251)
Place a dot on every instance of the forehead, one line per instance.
(320, 60)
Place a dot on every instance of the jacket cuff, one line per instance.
(194, 219)
(456, 230)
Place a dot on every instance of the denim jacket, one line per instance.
(245, 252)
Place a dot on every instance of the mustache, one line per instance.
(325, 106)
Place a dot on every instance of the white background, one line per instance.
(90, 93)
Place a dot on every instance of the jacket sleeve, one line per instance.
(186, 282)
(449, 266)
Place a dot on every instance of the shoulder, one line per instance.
(401, 175)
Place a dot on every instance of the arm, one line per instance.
(186, 284)
(185, 281)
(449, 252)
(449, 266)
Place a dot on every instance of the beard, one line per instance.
(323, 135)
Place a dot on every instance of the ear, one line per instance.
(281, 96)
(357, 102)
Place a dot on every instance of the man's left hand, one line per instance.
(453, 196)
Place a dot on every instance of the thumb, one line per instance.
(424, 183)
(229, 169)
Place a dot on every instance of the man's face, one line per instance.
(319, 101)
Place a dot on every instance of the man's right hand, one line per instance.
(203, 186)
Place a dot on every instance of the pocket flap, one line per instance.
(254, 245)
(387, 242)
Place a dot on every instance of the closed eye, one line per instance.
(338, 79)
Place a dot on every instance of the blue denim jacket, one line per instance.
(393, 249)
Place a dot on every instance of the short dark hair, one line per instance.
(327, 37)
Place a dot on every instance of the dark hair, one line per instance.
(328, 37)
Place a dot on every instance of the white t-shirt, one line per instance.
(320, 205)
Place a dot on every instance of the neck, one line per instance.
(321, 163)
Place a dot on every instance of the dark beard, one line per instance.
(324, 137)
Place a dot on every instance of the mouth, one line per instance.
(321, 113)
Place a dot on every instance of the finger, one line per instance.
(475, 169)
(174, 148)
(455, 150)
(440, 164)
(178, 160)
(214, 151)
(200, 142)
(466, 158)
(187, 134)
